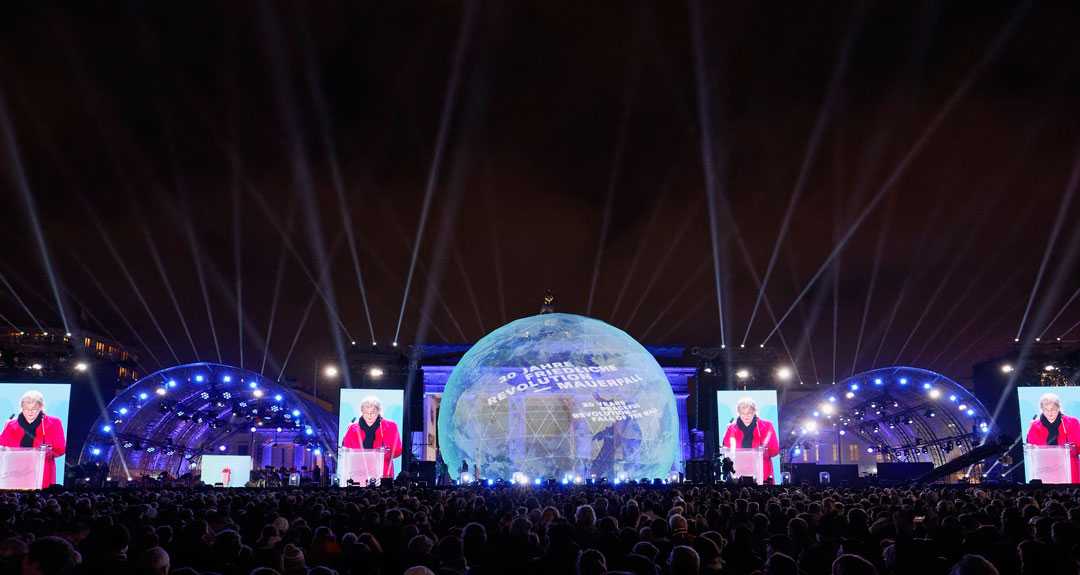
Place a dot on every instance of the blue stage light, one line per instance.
(123, 411)
(317, 452)
(309, 431)
(278, 397)
(253, 385)
(877, 381)
(199, 378)
(971, 412)
(952, 398)
(106, 428)
(227, 378)
(854, 387)
(926, 386)
(172, 383)
(144, 395)
(490, 482)
(95, 451)
(537, 481)
(296, 413)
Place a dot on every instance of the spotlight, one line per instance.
(783, 374)
(160, 391)
(810, 425)
(375, 372)
(394, 344)
(36, 367)
(199, 378)
(330, 371)
(827, 409)
(971, 412)
(903, 381)
(374, 344)
(278, 397)
(743, 373)
(869, 449)
(849, 394)
(934, 394)
(707, 369)
(106, 428)
(227, 379)
(962, 407)
(257, 393)
(172, 383)
(296, 413)
(253, 430)
(842, 432)
(952, 398)
(253, 384)
(81, 367)
(143, 396)
(926, 386)
(1047, 368)
(832, 399)
(317, 452)
(221, 448)
(878, 381)
(95, 451)
(309, 431)
(354, 342)
(123, 411)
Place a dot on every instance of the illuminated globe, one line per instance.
(559, 396)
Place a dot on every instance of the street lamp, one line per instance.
(330, 371)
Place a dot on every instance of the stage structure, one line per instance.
(559, 396)
(167, 420)
(887, 415)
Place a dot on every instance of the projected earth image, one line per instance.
(559, 396)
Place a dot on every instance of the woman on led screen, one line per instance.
(749, 431)
(33, 428)
(1053, 427)
(371, 431)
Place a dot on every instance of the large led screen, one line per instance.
(37, 415)
(748, 420)
(372, 419)
(226, 470)
(1051, 433)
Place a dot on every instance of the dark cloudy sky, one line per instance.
(550, 131)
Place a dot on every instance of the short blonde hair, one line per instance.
(1050, 398)
(371, 400)
(746, 402)
(35, 396)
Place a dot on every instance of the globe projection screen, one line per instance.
(57, 400)
(559, 395)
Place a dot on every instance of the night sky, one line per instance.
(546, 133)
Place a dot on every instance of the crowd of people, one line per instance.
(588, 530)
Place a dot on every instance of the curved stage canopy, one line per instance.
(897, 414)
(170, 418)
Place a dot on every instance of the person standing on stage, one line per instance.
(1053, 427)
(749, 431)
(33, 428)
(372, 431)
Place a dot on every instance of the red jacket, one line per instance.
(50, 431)
(385, 436)
(1069, 432)
(764, 436)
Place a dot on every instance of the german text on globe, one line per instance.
(559, 396)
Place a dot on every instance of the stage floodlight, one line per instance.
(375, 372)
(743, 373)
(330, 371)
(935, 393)
(784, 373)
(81, 367)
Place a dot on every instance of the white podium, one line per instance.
(22, 467)
(1048, 463)
(749, 462)
(362, 466)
